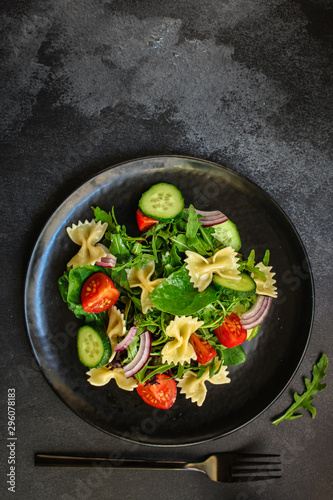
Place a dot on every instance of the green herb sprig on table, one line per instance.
(304, 401)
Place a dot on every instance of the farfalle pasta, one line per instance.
(266, 287)
(201, 269)
(195, 389)
(180, 350)
(102, 376)
(116, 327)
(141, 278)
(87, 234)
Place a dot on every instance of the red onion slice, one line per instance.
(126, 340)
(109, 260)
(141, 357)
(208, 214)
(213, 222)
(106, 262)
(211, 218)
(256, 315)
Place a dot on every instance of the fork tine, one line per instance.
(263, 466)
(257, 471)
(256, 455)
(253, 464)
(243, 479)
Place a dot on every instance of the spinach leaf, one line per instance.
(70, 285)
(63, 286)
(76, 277)
(234, 355)
(177, 295)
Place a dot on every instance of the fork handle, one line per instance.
(46, 460)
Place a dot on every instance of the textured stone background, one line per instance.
(86, 84)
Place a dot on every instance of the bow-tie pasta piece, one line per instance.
(201, 269)
(87, 234)
(265, 287)
(116, 328)
(141, 278)
(221, 377)
(102, 376)
(180, 350)
(195, 389)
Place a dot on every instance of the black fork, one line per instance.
(221, 467)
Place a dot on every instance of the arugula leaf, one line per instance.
(192, 223)
(201, 371)
(249, 265)
(181, 242)
(132, 349)
(177, 295)
(180, 370)
(304, 401)
(160, 369)
(198, 245)
(206, 233)
(257, 272)
(265, 260)
(250, 259)
(118, 248)
(103, 216)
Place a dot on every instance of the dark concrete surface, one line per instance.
(86, 84)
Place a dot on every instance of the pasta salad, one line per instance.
(169, 308)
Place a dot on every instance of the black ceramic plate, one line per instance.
(272, 357)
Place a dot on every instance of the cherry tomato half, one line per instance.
(162, 394)
(98, 293)
(231, 332)
(144, 222)
(204, 351)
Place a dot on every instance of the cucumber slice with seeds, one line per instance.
(227, 233)
(243, 287)
(93, 346)
(162, 202)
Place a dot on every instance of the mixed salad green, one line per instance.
(169, 307)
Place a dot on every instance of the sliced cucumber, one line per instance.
(162, 201)
(227, 233)
(243, 287)
(93, 346)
